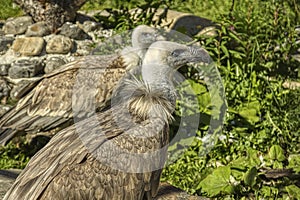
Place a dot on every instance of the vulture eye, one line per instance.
(177, 52)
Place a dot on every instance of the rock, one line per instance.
(25, 68)
(81, 17)
(5, 42)
(186, 23)
(53, 63)
(38, 29)
(73, 31)
(89, 26)
(169, 192)
(4, 69)
(83, 47)
(59, 44)
(4, 91)
(17, 26)
(28, 46)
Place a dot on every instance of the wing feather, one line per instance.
(79, 88)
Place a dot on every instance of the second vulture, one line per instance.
(77, 89)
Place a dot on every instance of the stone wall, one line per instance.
(29, 50)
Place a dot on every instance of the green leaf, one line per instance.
(224, 49)
(218, 182)
(276, 153)
(251, 112)
(293, 191)
(294, 162)
(241, 163)
(250, 177)
(197, 87)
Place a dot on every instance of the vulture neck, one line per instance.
(158, 76)
(132, 57)
(154, 97)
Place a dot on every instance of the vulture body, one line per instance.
(118, 153)
(77, 89)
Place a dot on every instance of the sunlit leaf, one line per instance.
(276, 153)
(218, 182)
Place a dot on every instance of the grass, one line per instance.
(9, 9)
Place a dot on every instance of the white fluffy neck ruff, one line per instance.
(146, 102)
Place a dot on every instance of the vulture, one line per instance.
(58, 96)
(118, 153)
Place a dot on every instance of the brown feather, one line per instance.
(63, 93)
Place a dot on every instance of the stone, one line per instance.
(17, 26)
(5, 42)
(186, 23)
(83, 47)
(73, 31)
(39, 29)
(28, 46)
(53, 63)
(81, 17)
(89, 26)
(59, 44)
(169, 192)
(25, 68)
(4, 67)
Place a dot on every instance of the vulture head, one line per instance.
(142, 37)
(163, 58)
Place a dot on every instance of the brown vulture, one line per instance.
(117, 154)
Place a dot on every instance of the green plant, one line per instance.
(253, 51)
(8, 9)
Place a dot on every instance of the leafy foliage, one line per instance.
(253, 50)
